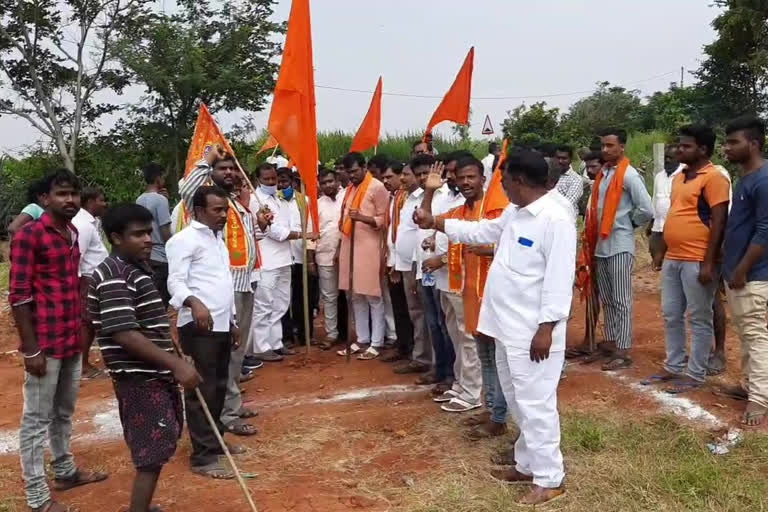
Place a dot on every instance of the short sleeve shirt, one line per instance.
(34, 210)
(686, 229)
(157, 204)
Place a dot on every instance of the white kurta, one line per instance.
(530, 282)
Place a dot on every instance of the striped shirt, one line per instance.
(123, 297)
(201, 175)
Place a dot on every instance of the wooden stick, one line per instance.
(275, 150)
(350, 306)
(222, 444)
(304, 270)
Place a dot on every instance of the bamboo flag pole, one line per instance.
(305, 264)
(275, 150)
(350, 307)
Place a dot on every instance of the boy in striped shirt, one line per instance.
(133, 333)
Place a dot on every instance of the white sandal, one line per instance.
(369, 354)
(459, 405)
(445, 397)
(353, 349)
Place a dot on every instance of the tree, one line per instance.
(668, 111)
(734, 75)
(54, 58)
(223, 57)
(530, 126)
(609, 106)
(462, 130)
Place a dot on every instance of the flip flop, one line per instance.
(617, 363)
(459, 405)
(732, 392)
(574, 352)
(659, 377)
(752, 416)
(53, 506)
(445, 397)
(353, 349)
(683, 386)
(369, 354)
(241, 429)
(215, 470)
(78, 479)
(246, 413)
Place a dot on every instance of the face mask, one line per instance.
(270, 190)
(288, 193)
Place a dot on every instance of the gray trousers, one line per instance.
(328, 277)
(466, 368)
(49, 403)
(422, 344)
(234, 402)
(681, 291)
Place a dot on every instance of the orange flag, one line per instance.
(270, 143)
(368, 133)
(292, 120)
(455, 104)
(495, 197)
(207, 133)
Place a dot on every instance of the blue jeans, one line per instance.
(442, 345)
(494, 397)
(681, 291)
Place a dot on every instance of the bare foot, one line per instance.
(754, 415)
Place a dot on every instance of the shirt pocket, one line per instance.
(524, 257)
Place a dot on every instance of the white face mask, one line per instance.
(270, 190)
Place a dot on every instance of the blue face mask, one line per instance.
(288, 193)
(270, 190)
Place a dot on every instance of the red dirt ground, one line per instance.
(320, 456)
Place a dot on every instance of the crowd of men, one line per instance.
(456, 270)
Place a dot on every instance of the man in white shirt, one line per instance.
(406, 246)
(273, 294)
(326, 253)
(92, 253)
(220, 169)
(202, 291)
(525, 308)
(660, 202)
(494, 153)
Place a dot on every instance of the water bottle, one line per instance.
(427, 279)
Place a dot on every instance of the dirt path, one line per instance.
(338, 437)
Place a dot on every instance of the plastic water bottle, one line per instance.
(427, 279)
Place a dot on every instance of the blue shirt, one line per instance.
(748, 224)
(634, 210)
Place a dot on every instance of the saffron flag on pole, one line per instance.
(270, 143)
(455, 104)
(368, 133)
(207, 133)
(292, 120)
(495, 197)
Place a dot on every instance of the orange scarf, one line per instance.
(345, 223)
(399, 200)
(592, 232)
(456, 264)
(235, 235)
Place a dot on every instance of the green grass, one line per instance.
(5, 268)
(618, 465)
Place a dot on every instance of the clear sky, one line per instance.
(523, 49)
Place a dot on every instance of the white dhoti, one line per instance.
(369, 310)
(468, 379)
(530, 389)
(270, 302)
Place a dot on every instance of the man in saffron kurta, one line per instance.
(363, 215)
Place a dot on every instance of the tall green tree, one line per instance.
(609, 106)
(55, 57)
(530, 126)
(222, 54)
(734, 74)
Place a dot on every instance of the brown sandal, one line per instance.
(78, 479)
(617, 363)
(53, 506)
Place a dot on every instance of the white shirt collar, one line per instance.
(416, 193)
(202, 227)
(536, 207)
(90, 218)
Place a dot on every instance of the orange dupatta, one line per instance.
(398, 202)
(235, 235)
(592, 232)
(345, 223)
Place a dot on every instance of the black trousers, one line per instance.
(343, 316)
(160, 278)
(210, 351)
(293, 320)
(403, 325)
